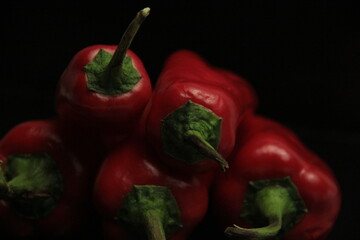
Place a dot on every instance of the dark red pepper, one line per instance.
(44, 189)
(137, 198)
(186, 65)
(195, 111)
(241, 89)
(104, 89)
(276, 187)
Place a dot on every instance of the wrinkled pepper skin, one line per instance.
(187, 77)
(133, 164)
(68, 215)
(110, 116)
(268, 150)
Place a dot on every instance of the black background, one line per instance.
(302, 58)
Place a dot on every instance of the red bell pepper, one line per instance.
(276, 187)
(241, 89)
(44, 189)
(186, 65)
(195, 111)
(105, 88)
(138, 198)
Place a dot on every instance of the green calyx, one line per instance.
(149, 212)
(273, 206)
(192, 133)
(114, 74)
(115, 81)
(31, 184)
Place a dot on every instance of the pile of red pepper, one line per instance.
(150, 162)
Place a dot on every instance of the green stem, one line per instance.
(125, 42)
(149, 212)
(153, 226)
(191, 133)
(206, 149)
(273, 203)
(256, 233)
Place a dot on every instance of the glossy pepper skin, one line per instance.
(185, 79)
(133, 163)
(67, 213)
(111, 110)
(269, 151)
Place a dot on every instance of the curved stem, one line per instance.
(273, 203)
(125, 42)
(270, 230)
(206, 149)
(153, 226)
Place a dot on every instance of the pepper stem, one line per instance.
(277, 204)
(256, 233)
(207, 150)
(149, 212)
(124, 44)
(115, 74)
(191, 133)
(153, 226)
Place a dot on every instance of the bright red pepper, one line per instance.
(195, 111)
(105, 88)
(138, 198)
(277, 185)
(43, 187)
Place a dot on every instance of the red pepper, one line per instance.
(138, 198)
(105, 88)
(241, 89)
(276, 185)
(195, 111)
(43, 187)
(186, 65)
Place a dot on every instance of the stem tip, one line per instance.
(145, 12)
